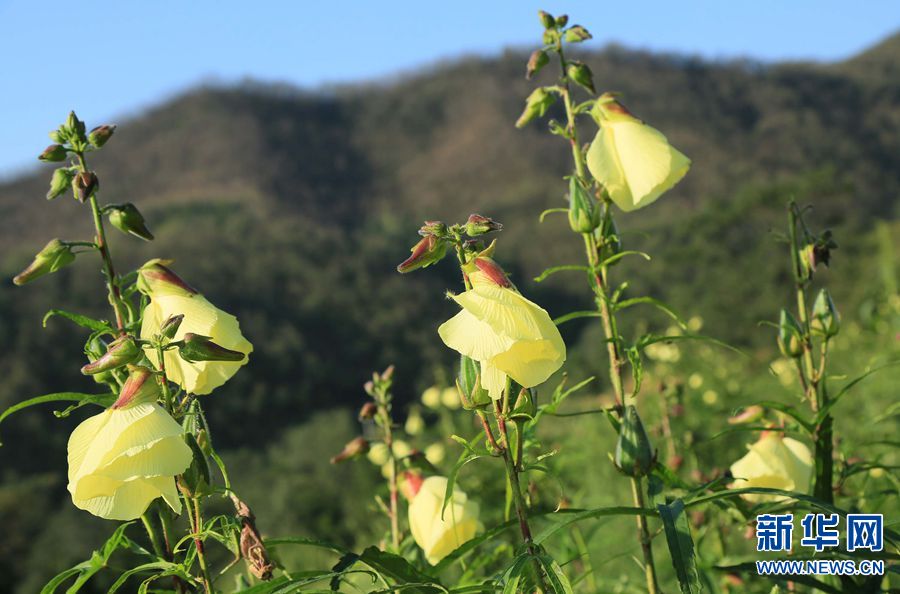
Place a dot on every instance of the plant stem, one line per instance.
(192, 505)
(154, 537)
(115, 296)
(385, 414)
(644, 536)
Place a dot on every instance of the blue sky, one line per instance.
(108, 60)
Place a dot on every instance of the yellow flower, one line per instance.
(125, 457)
(450, 398)
(774, 462)
(439, 537)
(506, 333)
(170, 296)
(633, 161)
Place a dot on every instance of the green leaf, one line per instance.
(574, 316)
(513, 575)
(573, 516)
(86, 569)
(463, 459)
(660, 305)
(616, 257)
(681, 545)
(554, 269)
(849, 386)
(83, 321)
(399, 569)
(271, 543)
(551, 211)
(167, 567)
(790, 411)
(101, 399)
(469, 545)
(558, 580)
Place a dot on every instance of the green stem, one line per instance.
(394, 513)
(192, 506)
(154, 537)
(115, 296)
(644, 536)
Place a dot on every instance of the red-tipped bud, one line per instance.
(55, 255)
(120, 352)
(170, 327)
(355, 447)
(411, 485)
(368, 411)
(478, 225)
(536, 61)
(428, 251)
(491, 271)
(128, 219)
(196, 347)
(156, 277)
(53, 153)
(140, 386)
(748, 415)
(84, 185)
(101, 134)
(436, 228)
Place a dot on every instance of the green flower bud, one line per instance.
(141, 385)
(60, 182)
(634, 454)
(428, 251)
(75, 127)
(197, 348)
(825, 317)
(536, 106)
(170, 327)
(562, 20)
(478, 225)
(538, 60)
(368, 411)
(101, 134)
(84, 185)
(608, 239)
(155, 277)
(525, 407)
(584, 216)
(196, 479)
(436, 228)
(119, 353)
(577, 34)
(55, 255)
(468, 384)
(579, 73)
(790, 335)
(547, 20)
(128, 219)
(59, 136)
(54, 152)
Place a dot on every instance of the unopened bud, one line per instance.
(354, 448)
(75, 126)
(436, 228)
(825, 317)
(488, 270)
(60, 182)
(101, 134)
(170, 327)
(120, 352)
(468, 385)
(428, 251)
(54, 152)
(141, 385)
(546, 19)
(368, 411)
(388, 373)
(155, 277)
(369, 387)
(60, 135)
(55, 255)
(608, 239)
(562, 20)
(478, 225)
(634, 454)
(818, 251)
(790, 336)
(128, 219)
(537, 104)
(581, 74)
(749, 415)
(411, 484)
(196, 479)
(536, 61)
(525, 408)
(84, 185)
(577, 34)
(196, 347)
(584, 216)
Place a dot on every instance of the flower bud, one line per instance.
(155, 278)
(487, 270)
(750, 414)
(54, 152)
(577, 34)
(634, 454)
(196, 479)
(428, 251)
(579, 73)
(411, 484)
(120, 352)
(60, 182)
(790, 336)
(536, 61)
(84, 185)
(60, 135)
(128, 219)
(584, 216)
(170, 327)
(368, 411)
(55, 255)
(101, 134)
(562, 20)
(197, 348)
(525, 408)
(478, 225)
(537, 104)
(818, 251)
(547, 19)
(141, 386)
(468, 385)
(355, 447)
(436, 228)
(415, 424)
(825, 317)
(608, 239)
(75, 127)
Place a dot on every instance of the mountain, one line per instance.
(291, 209)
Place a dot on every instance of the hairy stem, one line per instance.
(386, 422)
(644, 535)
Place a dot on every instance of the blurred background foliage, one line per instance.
(291, 210)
